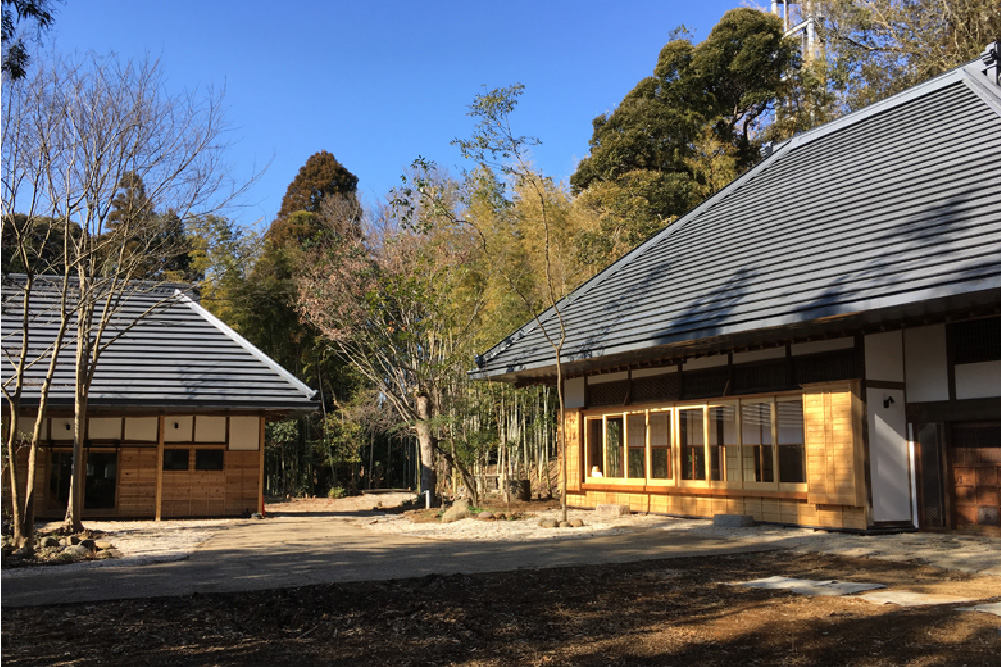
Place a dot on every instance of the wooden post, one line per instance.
(159, 466)
(260, 483)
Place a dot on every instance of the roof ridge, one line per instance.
(244, 343)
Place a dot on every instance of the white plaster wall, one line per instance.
(981, 380)
(26, 425)
(105, 428)
(706, 362)
(608, 377)
(244, 433)
(573, 392)
(210, 429)
(759, 355)
(888, 456)
(884, 356)
(59, 428)
(816, 346)
(141, 429)
(926, 364)
(178, 429)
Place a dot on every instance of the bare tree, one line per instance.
(113, 147)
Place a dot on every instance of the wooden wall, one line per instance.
(836, 493)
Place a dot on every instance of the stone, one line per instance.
(733, 521)
(75, 551)
(564, 524)
(50, 541)
(612, 510)
(549, 523)
(457, 512)
(103, 544)
(486, 515)
(88, 544)
(576, 523)
(113, 553)
(500, 516)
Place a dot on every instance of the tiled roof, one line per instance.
(178, 355)
(889, 206)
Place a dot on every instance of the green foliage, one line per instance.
(336, 492)
(881, 47)
(15, 51)
(645, 164)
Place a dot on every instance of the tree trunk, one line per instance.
(425, 441)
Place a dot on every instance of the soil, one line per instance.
(679, 611)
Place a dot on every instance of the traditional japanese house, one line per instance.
(819, 344)
(176, 415)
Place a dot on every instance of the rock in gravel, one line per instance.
(103, 544)
(50, 541)
(76, 551)
(458, 511)
(549, 523)
(733, 521)
(576, 523)
(89, 545)
(486, 515)
(564, 524)
(500, 515)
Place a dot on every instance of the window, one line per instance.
(209, 459)
(792, 452)
(613, 447)
(660, 445)
(175, 459)
(756, 437)
(724, 457)
(636, 436)
(594, 447)
(693, 451)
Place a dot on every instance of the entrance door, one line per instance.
(976, 474)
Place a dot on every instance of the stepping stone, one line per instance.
(910, 599)
(989, 608)
(733, 521)
(809, 586)
(612, 510)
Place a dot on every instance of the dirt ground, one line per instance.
(657, 612)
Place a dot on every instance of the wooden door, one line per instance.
(976, 475)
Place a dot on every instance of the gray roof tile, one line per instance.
(885, 207)
(177, 356)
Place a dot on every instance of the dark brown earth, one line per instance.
(675, 612)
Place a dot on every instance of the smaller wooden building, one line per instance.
(176, 414)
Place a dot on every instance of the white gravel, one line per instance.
(140, 543)
(966, 553)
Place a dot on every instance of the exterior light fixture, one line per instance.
(888, 401)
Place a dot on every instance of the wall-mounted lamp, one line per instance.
(177, 425)
(888, 401)
(67, 426)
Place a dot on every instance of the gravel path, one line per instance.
(966, 553)
(145, 542)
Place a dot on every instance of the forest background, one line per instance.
(383, 307)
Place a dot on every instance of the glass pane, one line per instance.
(722, 435)
(175, 459)
(660, 445)
(660, 462)
(613, 446)
(101, 482)
(636, 435)
(756, 434)
(693, 451)
(594, 446)
(209, 459)
(792, 453)
(59, 478)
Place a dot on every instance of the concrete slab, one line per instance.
(809, 586)
(989, 608)
(910, 599)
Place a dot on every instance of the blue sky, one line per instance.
(379, 83)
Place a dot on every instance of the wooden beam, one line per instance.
(260, 479)
(159, 466)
